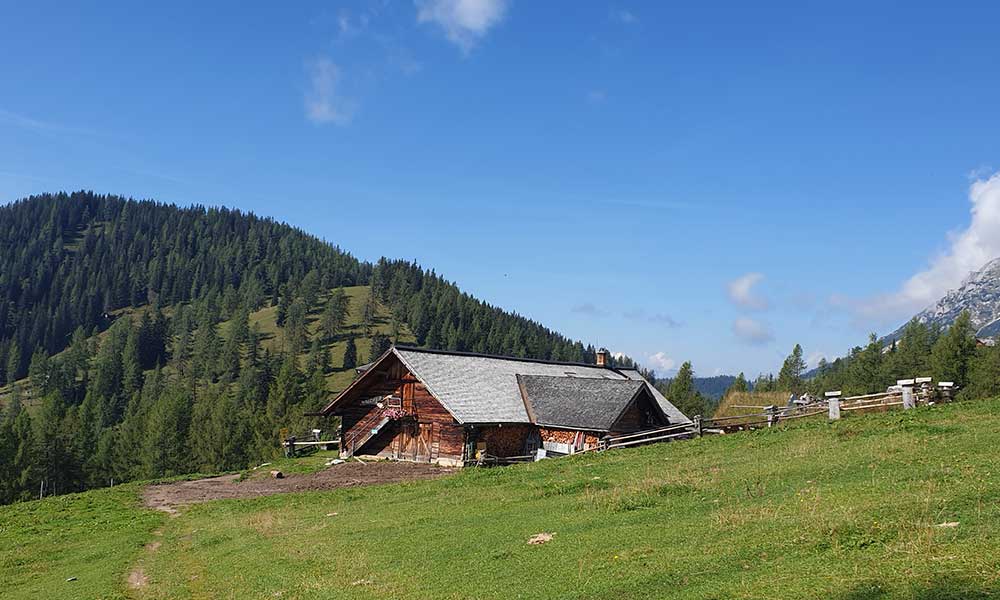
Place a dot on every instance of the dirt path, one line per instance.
(169, 496)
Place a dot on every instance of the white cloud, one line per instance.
(661, 362)
(812, 361)
(464, 22)
(751, 331)
(970, 249)
(741, 292)
(624, 16)
(323, 103)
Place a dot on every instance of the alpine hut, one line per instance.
(453, 408)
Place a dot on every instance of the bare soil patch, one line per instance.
(169, 496)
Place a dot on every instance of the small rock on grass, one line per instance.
(277, 474)
(540, 538)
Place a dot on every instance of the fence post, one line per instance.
(697, 425)
(945, 390)
(833, 399)
(907, 385)
(772, 418)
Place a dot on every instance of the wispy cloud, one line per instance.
(623, 16)
(661, 362)
(43, 126)
(596, 96)
(323, 102)
(741, 292)
(969, 250)
(639, 314)
(464, 22)
(752, 332)
(589, 309)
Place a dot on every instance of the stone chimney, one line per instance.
(602, 357)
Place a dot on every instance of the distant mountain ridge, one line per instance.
(979, 294)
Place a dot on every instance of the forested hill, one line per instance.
(67, 261)
(140, 340)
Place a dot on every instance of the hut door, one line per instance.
(407, 441)
(424, 441)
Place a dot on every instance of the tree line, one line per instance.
(951, 354)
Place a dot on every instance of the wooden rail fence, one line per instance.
(908, 393)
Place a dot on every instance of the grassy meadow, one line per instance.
(895, 505)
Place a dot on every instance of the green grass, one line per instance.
(847, 510)
(95, 537)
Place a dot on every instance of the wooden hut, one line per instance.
(452, 408)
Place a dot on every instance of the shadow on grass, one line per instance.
(938, 589)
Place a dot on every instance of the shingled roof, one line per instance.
(578, 402)
(477, 388)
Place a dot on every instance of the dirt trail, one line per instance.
(169, 496)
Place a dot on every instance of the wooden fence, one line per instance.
(907, 393)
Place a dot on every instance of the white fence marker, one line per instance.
(833, 399)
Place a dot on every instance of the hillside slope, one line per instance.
(900, 505)
(142, 340)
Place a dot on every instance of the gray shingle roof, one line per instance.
(484, 389)
(578, 402)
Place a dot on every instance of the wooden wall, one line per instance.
(428, 434)
(642, 415)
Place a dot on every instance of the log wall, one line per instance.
(428, 434)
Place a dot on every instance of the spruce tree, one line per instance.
(682, 393)
(953, 352)
(350, 354)
(13, 362)
(790, 375)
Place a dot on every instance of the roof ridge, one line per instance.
(499, 357)
(571, 378)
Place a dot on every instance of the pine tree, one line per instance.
(866, 373)
(296, 334)
(790, 375)
(983, 379)
(24, 464)
(380, 343)
(739, 385)
(335, 314)
(912, 352)
(166, 451)
(682, 393)
(350, 354)
(131, 364)
(953, 352)
(13, 362)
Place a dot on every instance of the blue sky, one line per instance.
(712, 182)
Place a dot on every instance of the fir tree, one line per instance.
(790, 375)
(350, 354)
(953, 352)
